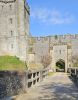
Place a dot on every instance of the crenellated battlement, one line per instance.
(55, 39)
(7, 1)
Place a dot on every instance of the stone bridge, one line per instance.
(59, 86)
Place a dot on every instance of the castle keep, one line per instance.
(14, 28)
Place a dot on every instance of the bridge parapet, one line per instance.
(15, 82)
(74, 73)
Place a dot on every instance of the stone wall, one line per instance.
(11, 83)
(16, 82)
(68, 39)
(74, 74)
(14, 28)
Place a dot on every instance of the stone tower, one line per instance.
(14, 28)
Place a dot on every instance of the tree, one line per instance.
(46, 60)
(56, 37)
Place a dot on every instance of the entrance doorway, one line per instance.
(60, 66)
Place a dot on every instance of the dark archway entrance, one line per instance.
(60, 66)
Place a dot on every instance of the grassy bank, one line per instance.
(11, 63)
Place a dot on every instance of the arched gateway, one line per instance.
(60, 65)
(61, 55)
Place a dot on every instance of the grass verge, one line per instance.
(11, 63)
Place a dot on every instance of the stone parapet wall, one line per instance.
(10, 83)
(74, 73)
(15, 82)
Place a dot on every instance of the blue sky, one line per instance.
(50, 17)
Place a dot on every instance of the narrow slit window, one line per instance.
(11, 46)
(10, 7)
(11, 20)
(11, 33)
(60, 51)
(2, 7)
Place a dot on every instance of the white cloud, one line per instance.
(52, 16)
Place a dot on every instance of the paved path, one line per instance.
(56, 87)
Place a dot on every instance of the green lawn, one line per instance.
(11, 63)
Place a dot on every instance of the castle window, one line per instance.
(2, 7)
(11, 33)
(11, 46)
(10, 7)
(11, 20)
(60, 51)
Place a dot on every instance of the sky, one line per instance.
(50, 17)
